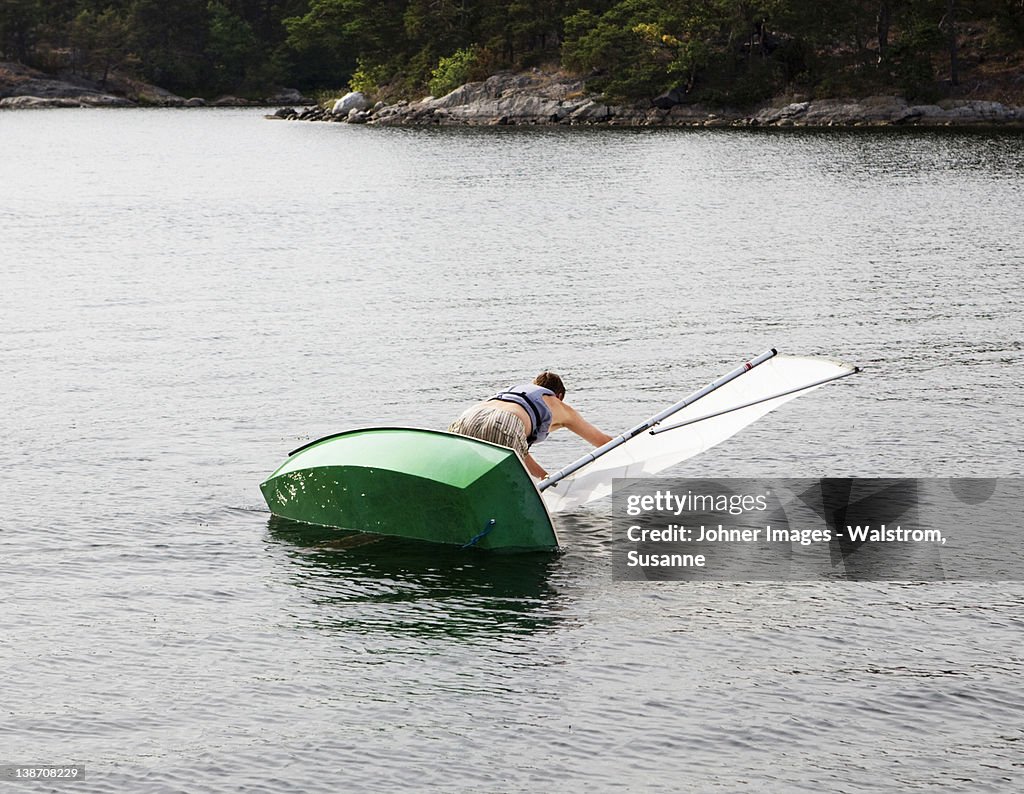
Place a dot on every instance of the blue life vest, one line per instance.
(531, 397)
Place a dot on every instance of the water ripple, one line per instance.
(222, 290)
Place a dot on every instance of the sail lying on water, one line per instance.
(695, 428)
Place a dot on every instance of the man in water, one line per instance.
(524, 415)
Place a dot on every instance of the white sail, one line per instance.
(768, 385)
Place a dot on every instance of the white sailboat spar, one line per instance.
(705, 418)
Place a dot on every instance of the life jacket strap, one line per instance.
(534, 413)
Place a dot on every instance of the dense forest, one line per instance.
(736, 51)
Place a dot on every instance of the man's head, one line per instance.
(549, 380)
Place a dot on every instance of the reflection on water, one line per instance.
(373, 583)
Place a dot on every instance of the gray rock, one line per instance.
(85, 100)
(924, 114)
(589, 113)
(669, 99)
(32, 102)
(45, 88)
(467, 94)
(978, 111)
(146, 94)
(316, 113)
(827, 112)
(687, 115)
(352, 100)
(504, 98)
(772, 116)
(832, 112)
(195, 102)
(231, 102)
(287, 96)
(105, 101)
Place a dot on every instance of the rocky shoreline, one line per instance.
(537, 98)
(24, 87)
(532, 98)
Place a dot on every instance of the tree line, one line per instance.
(712, 50)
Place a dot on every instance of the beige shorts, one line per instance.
(494, 425)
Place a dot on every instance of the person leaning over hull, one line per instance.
(524, 415)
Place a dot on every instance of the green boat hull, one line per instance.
(414, 483)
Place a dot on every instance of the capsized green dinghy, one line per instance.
(446, 488)
(414, 483)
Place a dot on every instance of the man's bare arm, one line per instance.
(566, 416)
(534, 467)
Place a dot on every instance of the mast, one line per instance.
(621, 439)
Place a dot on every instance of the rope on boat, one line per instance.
(473, 541)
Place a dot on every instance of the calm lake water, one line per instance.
(187, 295)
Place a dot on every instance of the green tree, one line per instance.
(326, 43)
(453, 71)
(19, 28)
(171, 37)
(232, 47)
(626, 45)
(1008, 19)
(99, 42)
(523, 30)
(917, 40)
